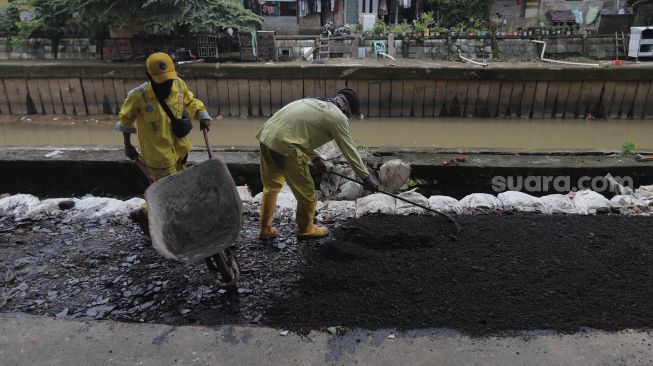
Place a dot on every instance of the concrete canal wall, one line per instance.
(106, 171)
(534, 91)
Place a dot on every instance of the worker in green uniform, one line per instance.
(288, 142)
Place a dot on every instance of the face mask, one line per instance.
(162, 91)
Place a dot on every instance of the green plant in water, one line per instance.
(628, 148)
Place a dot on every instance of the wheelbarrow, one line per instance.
(196, 215)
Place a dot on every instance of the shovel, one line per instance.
(458, 229)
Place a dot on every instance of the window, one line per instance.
(285, 8)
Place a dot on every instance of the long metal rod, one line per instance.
(458, 229)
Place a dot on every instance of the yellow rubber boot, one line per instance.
(305, 216)
(268, 206)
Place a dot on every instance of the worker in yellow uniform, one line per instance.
(288, 142)
(156, 111)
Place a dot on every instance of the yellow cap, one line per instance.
(160, 67)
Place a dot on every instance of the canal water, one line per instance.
(447, 133)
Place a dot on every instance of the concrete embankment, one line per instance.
(404, 89)
(106, 172)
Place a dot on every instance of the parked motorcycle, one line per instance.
(330, 29)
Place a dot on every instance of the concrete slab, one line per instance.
(29, 340)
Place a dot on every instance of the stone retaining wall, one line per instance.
(292, 49)
(44, 49)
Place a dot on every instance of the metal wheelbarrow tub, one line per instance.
(194, 214)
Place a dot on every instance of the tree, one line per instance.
(9, 16)
(47, 20)
(455, 12)
(161, 17)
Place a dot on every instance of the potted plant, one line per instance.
(420, 29)
(379, 29)
(428, 20)
(402, 30)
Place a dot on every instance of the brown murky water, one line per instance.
(498, 134)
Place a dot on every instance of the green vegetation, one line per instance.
(420, 27)
(9, 16)
(53, 18)
(402, 29)
(628, 148)
(379, 29)
(456, 12)
(414, 183)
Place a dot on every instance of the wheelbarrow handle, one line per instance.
(141, 165)
(205, 132)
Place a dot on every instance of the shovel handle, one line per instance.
(205, 132)
(451, 219)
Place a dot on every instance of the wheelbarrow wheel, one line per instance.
(227, 273)
(224, 264)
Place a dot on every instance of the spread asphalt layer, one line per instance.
(503, 273)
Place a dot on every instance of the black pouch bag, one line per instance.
(180, 126)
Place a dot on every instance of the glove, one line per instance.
(319, 164)
(131, 152)
(371, 183)
(205, 124)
